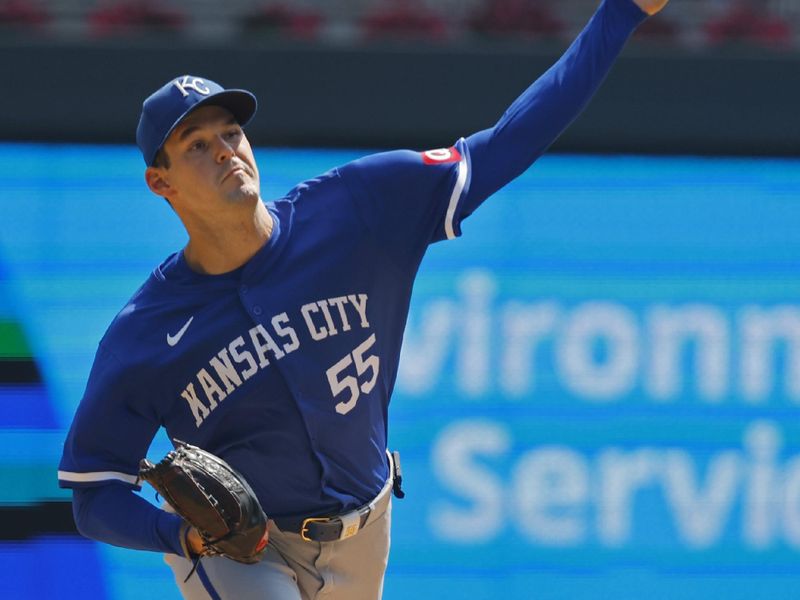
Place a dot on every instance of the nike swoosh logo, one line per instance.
(174, 339)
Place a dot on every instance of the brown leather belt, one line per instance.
(326, 529)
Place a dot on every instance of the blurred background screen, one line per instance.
(600, 385)
(598, 391)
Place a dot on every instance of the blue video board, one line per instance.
(598, 396)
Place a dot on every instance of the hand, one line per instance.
(651, 7)
(194, 541)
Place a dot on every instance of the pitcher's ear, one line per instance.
(156, 178)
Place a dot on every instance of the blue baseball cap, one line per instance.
(169, 105)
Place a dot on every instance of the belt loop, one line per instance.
(351, 523)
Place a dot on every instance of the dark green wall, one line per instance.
(654, 101)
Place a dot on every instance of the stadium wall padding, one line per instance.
(655, 101)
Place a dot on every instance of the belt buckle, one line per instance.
(304, 528)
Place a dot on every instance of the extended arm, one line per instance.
(534, 121)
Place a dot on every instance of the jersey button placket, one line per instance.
(257, 310)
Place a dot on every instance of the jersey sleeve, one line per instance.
(115, 515)
(110, 432)
(549, 105)
(411, 199)
(415, 198)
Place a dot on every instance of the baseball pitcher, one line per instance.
(268, 346)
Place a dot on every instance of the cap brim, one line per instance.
(241, 103)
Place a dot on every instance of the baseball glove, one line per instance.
(212, 497)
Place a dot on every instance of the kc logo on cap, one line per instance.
(164, 109)
(195, 83)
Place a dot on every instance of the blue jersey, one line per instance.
(285, 366)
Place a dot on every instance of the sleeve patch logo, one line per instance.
(441, 156)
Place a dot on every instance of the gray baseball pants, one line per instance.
(295, 569)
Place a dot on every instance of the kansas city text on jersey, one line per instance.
(243, 356)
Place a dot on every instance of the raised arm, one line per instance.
(534, 121)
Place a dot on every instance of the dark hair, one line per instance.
(162, 159)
